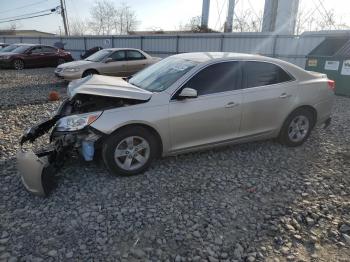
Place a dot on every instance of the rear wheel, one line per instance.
(297, 128)
(18, 64)
(90, 72)
(130, 151)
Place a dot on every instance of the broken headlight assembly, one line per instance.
(77, 122)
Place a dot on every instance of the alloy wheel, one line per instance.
(132, 153)
(298, 128)
(18, 64)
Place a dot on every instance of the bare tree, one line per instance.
(103, 15)
(317, 18)
(194, 25)
(107, 19)
(125, 20)
(247, 21)
(78, 27)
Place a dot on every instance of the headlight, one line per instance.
(71, 70)
(5, 57)
(77, 122)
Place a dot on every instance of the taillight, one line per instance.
(331, 85)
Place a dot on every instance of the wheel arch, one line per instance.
(151, 129)
(90, 69)
(302, 107)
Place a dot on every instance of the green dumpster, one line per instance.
(332, 57)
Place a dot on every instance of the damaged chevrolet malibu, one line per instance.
(184, 103)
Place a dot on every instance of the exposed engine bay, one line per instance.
(38, 169)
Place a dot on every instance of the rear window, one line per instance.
(264, 73)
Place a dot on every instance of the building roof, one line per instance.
(25, 33)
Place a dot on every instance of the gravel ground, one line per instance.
(252, 202)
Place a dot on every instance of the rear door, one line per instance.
(116, 67)
(51, 55)
(267, 97)
(215, 115)
(136, 61)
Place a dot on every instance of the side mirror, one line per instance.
(108, 60)
(187, 93)
(29, 53)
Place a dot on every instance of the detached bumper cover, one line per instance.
(36, 172)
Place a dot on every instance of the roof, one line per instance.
(25, 33)
(206, 56)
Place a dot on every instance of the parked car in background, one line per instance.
(2, 46)
(90, 51)
(113, 62)
(19, 56)
(184, 103)
(9, 48)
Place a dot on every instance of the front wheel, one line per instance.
(130, 151)
(297, 128)
(60, 61)
(18, 64)
(89, 73)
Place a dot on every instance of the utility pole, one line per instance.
(229, 18)
(63, 13)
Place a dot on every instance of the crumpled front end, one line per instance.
(71, 131)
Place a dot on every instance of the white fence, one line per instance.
(290, 48)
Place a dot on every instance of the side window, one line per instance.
(135, 55)
(263, 73)
(221, 77)
(118, 56)
(36, 50)
(48, 49)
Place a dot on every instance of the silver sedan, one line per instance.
(183, 103)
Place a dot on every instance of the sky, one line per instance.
(164, 14)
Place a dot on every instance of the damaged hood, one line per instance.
(107, 86)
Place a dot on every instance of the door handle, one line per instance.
(285, 95)
(231, 104)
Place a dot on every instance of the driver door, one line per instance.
(115, 64)
(212, 117)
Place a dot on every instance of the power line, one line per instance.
(26, 18)
(24, 6)
(27, 14)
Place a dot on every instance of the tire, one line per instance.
(60, 61)
(18, 64)
(297, 127)
(89, 72)
(129, 151)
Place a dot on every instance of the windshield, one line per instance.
(99, 56)
(21, 49)
(163, 74)
(8, 48)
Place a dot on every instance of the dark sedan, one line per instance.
(31, 55)
(3, 45)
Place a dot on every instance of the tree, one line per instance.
(107, 19)
(316, 19)
(78, 27)
(102, 17)
(194, 25)
(247, 21)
